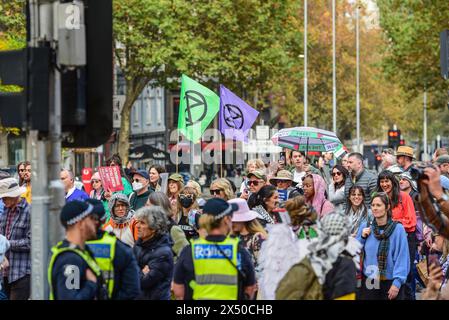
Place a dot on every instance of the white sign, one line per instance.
(262, 132)
(117, 107)
(261, 146)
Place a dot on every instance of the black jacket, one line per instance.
(341, 280)
(157, 254)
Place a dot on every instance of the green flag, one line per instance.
(198, 106)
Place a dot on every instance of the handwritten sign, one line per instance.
(111, 178)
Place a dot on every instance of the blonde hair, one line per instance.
(196, 186)
(224, 184)
(257, 162)
(209, 223)
(254, 227)
(299, 210)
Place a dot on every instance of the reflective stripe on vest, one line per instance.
(215, 277)
(104, 253)
(57, 250)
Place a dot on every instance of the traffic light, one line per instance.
(84, 59)
(394, 138)
(87, 91)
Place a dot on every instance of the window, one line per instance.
(148, 103)
(159, 106)
(136, 112)
(121, 83)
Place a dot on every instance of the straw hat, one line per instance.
(405, 151)
(9, 187)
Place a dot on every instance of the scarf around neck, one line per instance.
(384, 245)
(123, 220)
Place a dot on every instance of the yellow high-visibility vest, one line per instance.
(215, 277)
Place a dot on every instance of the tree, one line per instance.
(244, 44)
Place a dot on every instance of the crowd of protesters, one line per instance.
(333, 229)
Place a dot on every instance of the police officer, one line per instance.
(217, 267)
(116, 260)
(73, 273)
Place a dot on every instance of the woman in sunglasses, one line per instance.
(337, 187)
(187, 208)
(221, 188)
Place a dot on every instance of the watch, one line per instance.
(443, 198)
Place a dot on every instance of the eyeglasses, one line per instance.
(23, 170)
(254, 182)
(215, 191)
(338, 173)
(186, 196)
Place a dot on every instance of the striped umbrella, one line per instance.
(307, 139)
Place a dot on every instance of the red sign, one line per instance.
(85, 177)
(111, 178)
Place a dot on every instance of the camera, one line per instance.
(417, 172)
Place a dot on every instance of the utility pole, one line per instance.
(334, 78)
(305, 65)
(358, 79)
(425, 158)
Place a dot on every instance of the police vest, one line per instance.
(104, 253)
(57, 250)
(216, 278)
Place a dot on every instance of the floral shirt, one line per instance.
(253, 242)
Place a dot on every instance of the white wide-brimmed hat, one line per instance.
(243, 214)
(9, 187)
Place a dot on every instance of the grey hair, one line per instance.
(390, 159)
(70, 173)
(160, 199)
(155, 217)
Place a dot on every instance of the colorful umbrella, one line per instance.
(307, 139)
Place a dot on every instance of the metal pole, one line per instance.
(425, 158)
(305, 64)
(358, 80)
(334, 79)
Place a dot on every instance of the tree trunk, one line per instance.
(133, 89)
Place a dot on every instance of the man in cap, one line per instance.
(15, 225)
(443, 163)
(284, 181)
(217, 267)
(405, 156)
(141, 188)
(256, 180)
(73, 273)
(116, 260)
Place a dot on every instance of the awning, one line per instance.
(145, 151)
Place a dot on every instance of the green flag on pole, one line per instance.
(198, 106)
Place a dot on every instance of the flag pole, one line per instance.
(177, 152)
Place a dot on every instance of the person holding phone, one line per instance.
(385, 263)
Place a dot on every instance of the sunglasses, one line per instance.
(336, 174)
(95, 181)
(254, 182)
(186, 196)
(215, 191)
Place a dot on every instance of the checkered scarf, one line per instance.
(333, 239)
(384, 245)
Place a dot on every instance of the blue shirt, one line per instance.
(398, 261)
(77, 195)
(444, 182)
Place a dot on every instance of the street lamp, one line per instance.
(358, 78)
(334, 80)
(305, 63)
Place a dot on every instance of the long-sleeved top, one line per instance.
(337, 197)
(367, 180)
(398, 261)
(76, 194)
(405, 212)
(4, 246)
(126, 273)
(15, 225)
(84, 290)
(157, 254)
